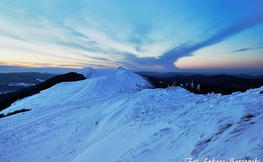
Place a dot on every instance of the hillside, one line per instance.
(115, 115)
(8, 98)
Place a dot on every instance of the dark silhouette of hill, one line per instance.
(224, 84)
(7, 99)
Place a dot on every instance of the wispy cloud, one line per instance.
(247, 49)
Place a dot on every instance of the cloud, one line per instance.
(113, 33)
(166, 61)
(247, 49)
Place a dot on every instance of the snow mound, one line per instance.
(89, 72)
(117, 80)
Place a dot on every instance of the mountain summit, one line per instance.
(89, 72)
(119, 80)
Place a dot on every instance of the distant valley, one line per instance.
(10, 82)
(224, 84)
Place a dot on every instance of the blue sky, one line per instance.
(141, 35)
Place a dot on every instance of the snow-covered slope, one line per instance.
(113, 116)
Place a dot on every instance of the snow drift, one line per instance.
(114, 116)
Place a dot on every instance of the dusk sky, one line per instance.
(140, 35)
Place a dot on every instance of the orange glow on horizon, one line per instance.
(36, 65)
(50, 65)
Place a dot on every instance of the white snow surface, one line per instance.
(113, 116)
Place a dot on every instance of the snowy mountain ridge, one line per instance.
(98, 82)
(119, 79)
(114, 116)
(89, 72)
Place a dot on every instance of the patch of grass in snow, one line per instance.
(247, 117)
(221, 128)
(15, 112)
(2, 115)
(97, 122)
